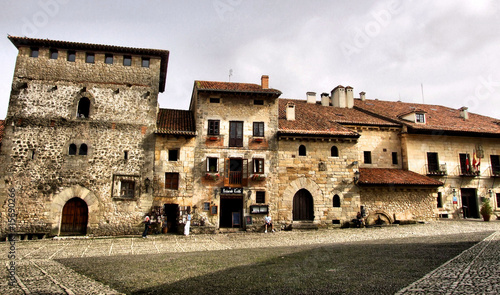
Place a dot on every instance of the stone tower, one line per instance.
(78, 145)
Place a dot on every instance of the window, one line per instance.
(394, 158)
(258, 129)
(235, 134)
(213, 127)
(432, 162)
(260, 197)
(34, 52)
(71, 56)
(127, 189)
(127, 61)
(258, 102)
(72, 149)
(302, 150)
(172, 181)
(89, 58)
(367, 155)
(464, 164)
(32, 154)
(125, 155)
(336, 201)
(498, 201)
(108, 59)
(258, 166)
(420, 118)
(83, 108)
(439, 200)
(212, 164)
(54, 53)
(495, 164)
(83, 150)
(334, 152)
(214, 100)
(173, 155)
(206, 206)
(145, 62)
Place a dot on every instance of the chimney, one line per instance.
(338, 97)
(311, 97)
(464, 113)
(362, 96)
(290, 111)
(264, 80)
(349, 97)
(325, 99)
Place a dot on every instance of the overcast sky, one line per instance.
(389, 49)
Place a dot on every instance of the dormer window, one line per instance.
(419, 118)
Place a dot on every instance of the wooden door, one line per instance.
(74, 217)
(303, 207)
(469, 202)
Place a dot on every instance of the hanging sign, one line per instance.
(231, 190)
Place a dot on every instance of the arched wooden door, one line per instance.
(303, 207)
(75, 216)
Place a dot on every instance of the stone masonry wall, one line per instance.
(322, 175)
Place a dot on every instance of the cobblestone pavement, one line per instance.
(476, 270)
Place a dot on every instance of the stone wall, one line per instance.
(322, 175)
(398, 203)
(381, 142)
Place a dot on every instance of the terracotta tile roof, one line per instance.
(2, 127)
(175, 122)
(397, 177)
(163, 54)
(438, 118)
(234, 87)
(317, 119)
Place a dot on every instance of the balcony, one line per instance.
(495, 171)
(468, 171)
(436, 170)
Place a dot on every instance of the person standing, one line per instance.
(188, 224)
(147, 224)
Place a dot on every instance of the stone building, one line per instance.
(89, 151)
(79, 141)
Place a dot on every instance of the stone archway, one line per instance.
(288, 196)
(56, 208)
(379, 217)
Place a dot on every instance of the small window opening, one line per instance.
(83, 108)
(32, 154)
(420, 117)
(302, 150)
(259, 102)
(125, 155)
(439, 200)
(71, 56)
(367, 155)
(336, 201)
(83, 150)
(72, 149)
(54, 54)
(108, 59)
(260, 197)
(214, 100)
(34, 52)
(145, 62)
(334, 151)
(127, 189)
(212, 164)
(394, 158)
(127, 61)
(89, 58)
(173, 155)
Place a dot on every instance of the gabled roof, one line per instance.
(234, 87)
(163, 54)
(437, 118)
(396, 177)
(2, 127)
(175, 122)
(311, 119)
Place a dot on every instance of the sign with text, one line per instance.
(231, 190)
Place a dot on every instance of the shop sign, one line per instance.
(231, 191)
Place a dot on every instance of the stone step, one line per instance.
(304, 225)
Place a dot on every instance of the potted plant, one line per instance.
(486, 210)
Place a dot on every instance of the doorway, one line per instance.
(172, 214)
(469, 203)
(231, 209)
(75, 216)
(303, 206)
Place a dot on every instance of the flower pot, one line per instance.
(486, 217)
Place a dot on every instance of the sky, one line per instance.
(443, 52)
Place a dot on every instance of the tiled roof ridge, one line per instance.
(233, 87)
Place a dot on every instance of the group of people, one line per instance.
(147, 225)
